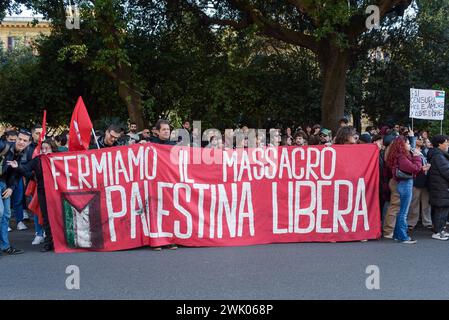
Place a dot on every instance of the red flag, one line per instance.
(80, 128)
(37, 150)
(31, 191)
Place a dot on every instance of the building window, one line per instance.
(11, 43)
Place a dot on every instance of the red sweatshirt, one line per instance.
(413, 166)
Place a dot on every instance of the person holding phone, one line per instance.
(405, 165)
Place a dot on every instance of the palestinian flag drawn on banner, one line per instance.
(82, 220)
(439, 94)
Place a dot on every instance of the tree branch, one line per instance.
(207, 20)
(279, 32)
(253, 16)
(299, 4)
(358, 23)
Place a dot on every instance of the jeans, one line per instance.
(38, 228)
(405, 190)
(5, 215)
(439, 218)
(17, 201)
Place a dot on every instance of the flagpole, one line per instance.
(95, 136)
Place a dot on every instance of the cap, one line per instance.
(388, 140)
(366, 137)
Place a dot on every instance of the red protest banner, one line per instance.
(154, 195)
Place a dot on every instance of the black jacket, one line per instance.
(420, 180)
(33, 166)
(9, 175)
(438, 180)
(101, 144)
(159, 141)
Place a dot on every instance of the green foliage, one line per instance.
(18, 70)
(184, 69)
(227, 78)
(415, 56)
(104, 122)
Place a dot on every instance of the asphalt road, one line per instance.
(278, 271)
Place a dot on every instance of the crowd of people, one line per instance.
(414, 170)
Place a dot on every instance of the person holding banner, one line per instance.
(405, 166)
(314, 138)
(439, 185)
(300, 139)
(110, 138)
(163, 133)
(163, 127)
(325, 137)
(34, 169)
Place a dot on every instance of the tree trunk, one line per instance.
(357, 119)
(131, 97)
(334, 65)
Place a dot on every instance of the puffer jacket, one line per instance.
(438, 180)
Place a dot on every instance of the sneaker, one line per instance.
(440, 236)
(9, 229)
(21, 226)
(409, 241)
(37, 240)
(445, 233)
(157, 249)
(11, 251)
(172, 247)
(47, 248)
(388, 235)
(26, 216)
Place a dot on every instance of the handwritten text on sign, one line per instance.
(427, 104)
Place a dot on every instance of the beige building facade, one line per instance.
(20, 30)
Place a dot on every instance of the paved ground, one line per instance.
(278, 271)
